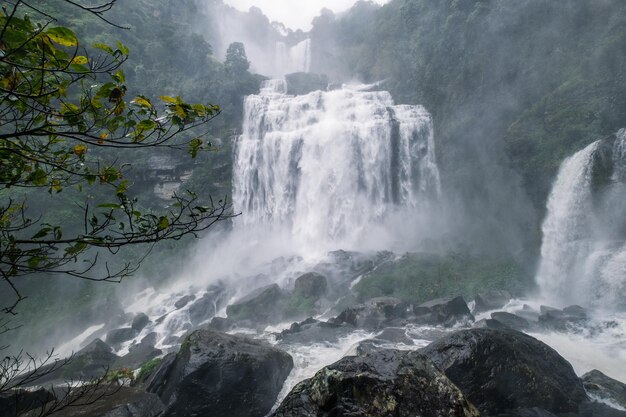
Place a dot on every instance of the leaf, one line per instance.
(123, 48)
(110, 206)
(42, 233)
(146, 125)
(62, 36)
(104, 47)
(80, 150)
(194, 146)
(168, 99)
(142, 101)
(80, 60)
(164, 223)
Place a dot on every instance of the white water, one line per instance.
(583, 256)
(296, 58)
(332, 167)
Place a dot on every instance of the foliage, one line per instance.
(62, 107)
(418, 278)
(147, 369)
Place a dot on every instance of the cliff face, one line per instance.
(514, 87)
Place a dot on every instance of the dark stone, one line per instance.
(140, 353)
(490, 324)
(260, 305)
(444, 311)
(562, 319)
(301, 83)
(595, 409)
(503, 370)
(511, 320)
(208, 305)
(118, 336)
(491, 300)
(88, 363)
(528, 412)
(394, 335)
(139, 322)
(114, 401)
(528, 313)
(377, 383)
(221, 324)
(221, 375)
(312, 331)
(604, 387)
(374, 314)
(182, 302)
(311, 285)
(17, 402)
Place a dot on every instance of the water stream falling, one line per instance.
(583, 256)
(331, 166)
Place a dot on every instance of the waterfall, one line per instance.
(293, 59)
(583, 254)
(330, 167)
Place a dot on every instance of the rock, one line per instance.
(207, 306)
(19, 401)
(374, 314)
(301, 83)
(140, 353)
(111, 401)
(260, 305)
(118, 336)
(595, 409)
(221, 375)
(528, 313)
(503, 370)
(555, 319)
(511, 320)
(444, 311)
(88, 363)
(183, 301)
(221, 324)
(603, 387)
(139, 322)
(311, 285)
(313, 331)
(491, 300)
(528, 412)
(377, 383)
(490, 324)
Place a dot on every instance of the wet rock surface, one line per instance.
(377, 383)
(221, 375)
(491, 300)
(503, 370)
(603, 387)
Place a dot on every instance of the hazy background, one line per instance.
(295, 14)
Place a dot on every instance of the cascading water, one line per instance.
(330, 166)
(296, 58)
(583, 256)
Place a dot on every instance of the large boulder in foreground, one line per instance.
(221, 375)
(501, 370)
(377, 383)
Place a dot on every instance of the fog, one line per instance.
(295, 14)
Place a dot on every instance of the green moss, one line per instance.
(420, 277)
(147, 368)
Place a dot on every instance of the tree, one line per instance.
(64, 123)
(236, 59)
(64, 118)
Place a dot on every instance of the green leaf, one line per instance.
(104, 47)
(123, 48)
(42, 233)
(62, 36)
(164, 223)
(168, 99)
(142, 101)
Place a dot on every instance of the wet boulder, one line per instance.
(139, 353)
(221, 375)
(377, 382)
(443, 311)
(19, 401)
(140, 321)
(504, 370)
(183, 301)
(116, 337)
(208, 305)
(115, 401)
(374, 314)
(311, 285)
(511, 320)
(605, 388)
(491, 300)
(261, 305)
(313, 331)
(556, 319)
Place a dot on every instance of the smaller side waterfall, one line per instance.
(583, 255)
(296, 58)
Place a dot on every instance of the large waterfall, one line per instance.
(330, 167)
(584, 237)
